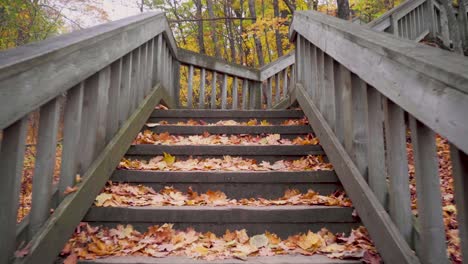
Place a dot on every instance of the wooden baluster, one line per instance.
(397, 162)
(277, 88)
(125, 89)
(224, 92)
(44, 165)
(359, 124)
(159, 59)
(292, 77)
(89, 123)
(313, 73)
(71, 136)
(460, 172)
(347, 108)
(143, 73)
(201, 103)
(150, 65)
(135, 79)
(176, 81)
(307, 68)
(114, 97)
(269, 93)
(340, 82)
(255, 91)
(156, 50)
(170, 76)
(426, 164)
(213, 91)
(102, 102)
(245, 94)
(234, 93)
(285, 83)
(319, 65)
(299, 54)
(375, 146)
(328, 93)
(11, 168)
(189, 87)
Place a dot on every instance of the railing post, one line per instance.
(176, 82)
(460, 172)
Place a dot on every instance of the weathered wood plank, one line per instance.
(433, 245)
(176, 83)
(319, 65)
(216, 64)
(397, 165)
(403, 64)
(156, 58)
(387, 238)
(44, 165)
(213, 90)
(104, 83)
(328, 93)
(224, 91)
(135, 79)
(113, 110)
(143, 72)
(277, 88)
(339, 84)
(460, 172)
(71, 138)
(125, 88)
(277, 66)
(285, 82)
(11, 168)
(204, 114)
(49, 241)
(201, 101)
(34, 74)
(149, 66)
(269, 94)
(245, 94)
(190, 87)
(160, 59)
(359, 124)
(347, 108)
(235, 93)
(375, 146)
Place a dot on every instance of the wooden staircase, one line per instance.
(283, 220)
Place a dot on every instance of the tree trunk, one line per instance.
(343, 9)
(200, 36)
(232, 44)
(258, 44)
(214, 37)
(454, 29)
(240, 41)
(279, 46)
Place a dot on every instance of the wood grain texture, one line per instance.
(438, 79)
(387, 238)
(12, 151)
(48, 242)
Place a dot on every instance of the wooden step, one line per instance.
(226, 114)
(231, 130)
(222, 150)
(239, 184)
(285, 259)
(282, 220)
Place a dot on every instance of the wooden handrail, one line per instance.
(363, 91)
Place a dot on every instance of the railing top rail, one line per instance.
(402, 9)
(429, 83)
(276, 66)
(215, 64)
(33, 74)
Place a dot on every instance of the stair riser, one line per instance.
(283, 136)
(259, 114)
(173, 120)
(235, 150)
(193, 130)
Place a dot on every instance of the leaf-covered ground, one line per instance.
(251, 122)
(227, 163)
(123, 194)
(160, 241)
(447, 191)
(149, 137)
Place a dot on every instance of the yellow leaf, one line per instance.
(203, 251)
(168, 158)
(259, 241)
(264, 123)
(102, 198)
(309, 241)
(450, 209)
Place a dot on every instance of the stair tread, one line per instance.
(201, 113)
(222, 150)
(273, 129)
(284, 259)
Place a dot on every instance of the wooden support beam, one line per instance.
(48, 242)
(387, 238)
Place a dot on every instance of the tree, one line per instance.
(343, 9)
(200, 36)
(258, 44)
